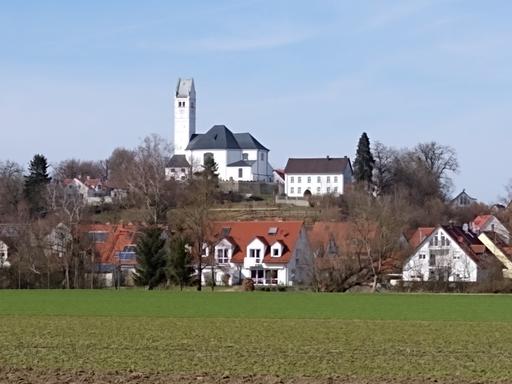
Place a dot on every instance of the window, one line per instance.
(309, 179)
(328, 179)
(328, 189)
(183, 104)
(223, 255)
(98, 237)
(432, 260)
(173, 170)
(299, 190)
(245, 156)
(262, 156)
(335, 179)
(275, 252)
(240, 173)
(319, 179)
(317, 189)
(299, 179)
(255, 254)
(422, 256)
(183, 170)
(291, 179)
(335, 189)
(291, 190)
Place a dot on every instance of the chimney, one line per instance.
(328, 157)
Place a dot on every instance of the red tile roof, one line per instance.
(242, 233)
(480, 221)
(118, 236)
(419, 235)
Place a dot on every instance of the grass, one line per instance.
(288, 334)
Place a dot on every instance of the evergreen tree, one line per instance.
(180, 263)
(211, 168)
(35, 185)
(364, 162)
(151, 258)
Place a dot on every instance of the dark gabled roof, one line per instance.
(218, 137)
(242, 163)
(247, 141)
(178, 161)
(335, 165)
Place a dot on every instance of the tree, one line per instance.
(383, 168)
(71, 168)
(11, 189)
(180, 265)
(35, 185)
(151, 257)
(364, 162)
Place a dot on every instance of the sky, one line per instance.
(306, 78)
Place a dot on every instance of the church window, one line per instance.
(240, 173)
(183, 104)
(245, 156)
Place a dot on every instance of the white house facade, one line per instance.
(450, 253)
(239, 156)
(317, 176)
(268, 252)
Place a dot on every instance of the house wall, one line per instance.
(297, 188)
(222, 158)
(495, 225)
(418, 269)
(184, 122)
(232, 173)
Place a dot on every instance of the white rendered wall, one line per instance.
(317, 188)
(184, 122)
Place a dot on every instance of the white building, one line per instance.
(268, 252)
(4, 249)
(239, 156)
(450, 253)
(490, 223)
(317, 176)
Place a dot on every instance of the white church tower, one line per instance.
(184, 114)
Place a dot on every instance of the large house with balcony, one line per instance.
(268, 252)
(450, 253)
(317, 176)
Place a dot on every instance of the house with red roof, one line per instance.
(489, 223)
(268, 252)
(114, 247)
(450, 253)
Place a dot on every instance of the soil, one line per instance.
(33, 376)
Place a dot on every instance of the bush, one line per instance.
(248, 285)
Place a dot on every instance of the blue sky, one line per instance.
(306, 78)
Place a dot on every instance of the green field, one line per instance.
(282, 334)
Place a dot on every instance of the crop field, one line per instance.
(165, 336)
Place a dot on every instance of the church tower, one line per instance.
(184, 114)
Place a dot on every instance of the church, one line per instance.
(239, 156)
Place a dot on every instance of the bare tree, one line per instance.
(383, 168)
(11, 189)
(71, 168)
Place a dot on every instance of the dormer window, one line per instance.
(277, 249)
(255, 254)
(275, 252)
(222, 255)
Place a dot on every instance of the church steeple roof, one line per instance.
(185, 87)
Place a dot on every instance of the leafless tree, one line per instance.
(383, 168)
(71, 168)
(11, 189)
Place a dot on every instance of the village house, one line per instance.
(489, 223)
(450, 253)
(268, 252)
(317, 176)
(94, 191)
(114, 251)
(239, 156)
(463, 200)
